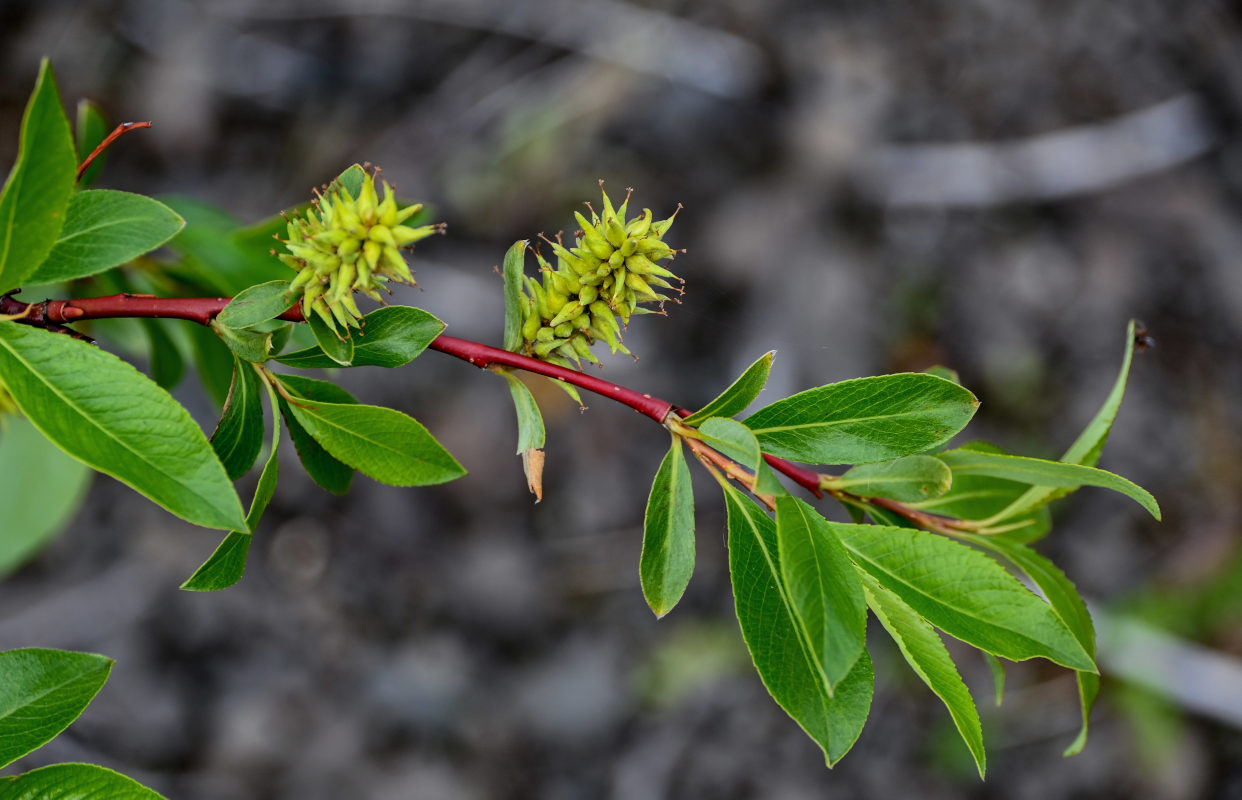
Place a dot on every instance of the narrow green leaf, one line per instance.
(74, 782)
(998, 675)
(740, 394)
(250, 346)
(515, 265)
(325, 470)
(103, 229)
(926, 654)
(383, 443)
(908, 479)
(1087, 447)
(864, 420)
(829, 610)
(239, 435)
(257, 304)
(41, 692)
(90, 131)
(108, 415)
(832, 718)
(964, 593)
(1066, 602)
(530, 421)
(530, 434)
(1088, 690)
(1037, 472)
(41, 489)
(340, 350)
(226, 566)
(166, 363)
(667, 559)
(391, 337)
(32, 205)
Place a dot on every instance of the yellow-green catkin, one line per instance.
(596, 285)
(345, 244)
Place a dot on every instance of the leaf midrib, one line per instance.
(824, 685)
(832, 423)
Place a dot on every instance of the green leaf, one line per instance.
(325, 470)
(104, 229)
(530, 421)
(530, 434)
(1087, 447)
(926, 654)
(166, 363)
(978, 497)
(32, 206)
(1037, 472)
(224, 567)
(91, 129)
(391, 337)
(667, 559)
(250, 346)
(339, 350)
(383, 443)
(1088, 690)
(515, 265)
(864, 420)
(351, 180)
(941, 371)
(829, 610)
(737, 442)
(219, 253)
(239, 435)
(257, 304)
(1066, 602)
(41, 692)
(113, 418)
(74, 782)
(833, 718)
(908, 479)
(964, 593)
(733, 439)
(740, 394)
(998, 675)
(227, 564)
(41, 489)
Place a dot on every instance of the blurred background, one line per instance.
(868, 187)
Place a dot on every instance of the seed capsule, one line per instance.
(343, 244)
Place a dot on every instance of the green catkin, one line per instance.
(343, 244)
(596, 284)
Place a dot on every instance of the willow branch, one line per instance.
(55, 314)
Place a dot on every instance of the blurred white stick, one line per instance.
(1079, 160)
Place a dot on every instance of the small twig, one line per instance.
(117, 132)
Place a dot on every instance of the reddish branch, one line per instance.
(124, 127)
(53, 314)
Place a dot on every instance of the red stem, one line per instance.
(124, 127)
(54, 313)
